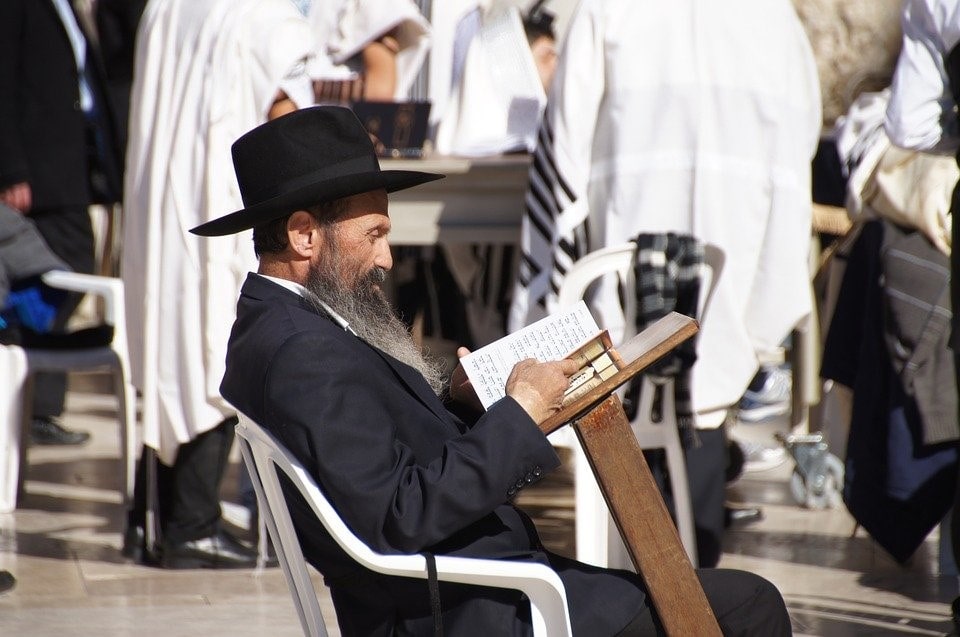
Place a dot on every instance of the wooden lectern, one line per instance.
(628, 487)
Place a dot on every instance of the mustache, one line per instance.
(376, 275)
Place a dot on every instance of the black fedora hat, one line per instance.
(311, 156)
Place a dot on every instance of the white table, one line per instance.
(480, 201)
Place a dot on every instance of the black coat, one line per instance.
(42, 127)
(406, 475)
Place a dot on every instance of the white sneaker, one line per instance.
(772, 399)
(236, 514)
(761, 457)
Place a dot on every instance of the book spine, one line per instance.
(593, 348)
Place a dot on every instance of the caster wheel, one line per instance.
(819, 490)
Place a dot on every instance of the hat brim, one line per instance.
(311, 195)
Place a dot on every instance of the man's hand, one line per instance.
(461, 389)
(18, 196)
(539, 387)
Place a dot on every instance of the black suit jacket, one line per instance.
(406, 475)
(42, 127)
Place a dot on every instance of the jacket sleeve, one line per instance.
(13, 163)
(345, 419)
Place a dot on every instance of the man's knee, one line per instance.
(745, 603)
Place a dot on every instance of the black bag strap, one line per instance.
(434, 585)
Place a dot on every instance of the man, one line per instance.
(318, 358)
(694, 118)
(206, 71)
(58, 154)
(922, 115)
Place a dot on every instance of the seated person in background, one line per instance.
(366, 49)
(26, 305)
(317, 357)
(29, 308)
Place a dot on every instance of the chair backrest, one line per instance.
(619, 260)
(113, 357)
(265, 456)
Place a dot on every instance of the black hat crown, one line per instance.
(308, 157)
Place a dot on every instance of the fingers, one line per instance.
(18, 196)
(539, 387)
(569, 367)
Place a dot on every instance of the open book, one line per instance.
(573, 333)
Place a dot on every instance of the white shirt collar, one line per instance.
(298, 289)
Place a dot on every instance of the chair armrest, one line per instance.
(110, 288)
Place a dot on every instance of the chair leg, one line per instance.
(26, 417)
(591, 516)
(126, 410)
(151, 530)
(13, 424)
(680, 487)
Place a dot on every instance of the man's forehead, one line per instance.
(368, 208)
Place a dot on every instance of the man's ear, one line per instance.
(303, 234)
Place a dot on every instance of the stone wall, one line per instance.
(856, 43)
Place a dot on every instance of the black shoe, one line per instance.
(134, 543)
(216, 551)
(135, 547)
(7, 581)
(45, 430)
(955, 612)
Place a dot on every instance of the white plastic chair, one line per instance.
(13, 370)
(112, 358)
(264, 457)
(597, 540)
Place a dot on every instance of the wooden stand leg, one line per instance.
(644, 523)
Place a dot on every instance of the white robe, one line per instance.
(921, 113)
(206, 72)
(342, 28)
(496, 106)
(689, 116)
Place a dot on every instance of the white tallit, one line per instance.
(496, 106)
(693, 117)
(206, 72)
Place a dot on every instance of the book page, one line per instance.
(549, 339)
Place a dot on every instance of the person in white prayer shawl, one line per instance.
(502, 66)
(691, 117)
(498, 93)
(206, 71)
(374, 46)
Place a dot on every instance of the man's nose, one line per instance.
(384, 258)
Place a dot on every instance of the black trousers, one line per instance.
(706, 475)
(189, 491)
(743, 603)
(69, 234)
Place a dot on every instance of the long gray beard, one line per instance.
(370, 315)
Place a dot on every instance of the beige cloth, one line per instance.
(914, 189)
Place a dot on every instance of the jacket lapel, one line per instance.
(258, 287)
(416, 384)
